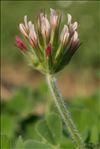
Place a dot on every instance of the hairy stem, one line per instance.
(64, 112)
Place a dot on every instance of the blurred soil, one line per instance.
(71, 82)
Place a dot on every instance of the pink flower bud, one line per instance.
(45, 25)
(75, 41)
(28, 30)
(20, 44)
(24, 27)
(48, 50)
(32, 34)
(23, 30)
(64, 35)
(75, 36)
(53, 18)
(74, 26)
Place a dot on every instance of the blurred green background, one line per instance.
(25, 96)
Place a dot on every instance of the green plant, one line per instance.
(22, 128)
(48, 52)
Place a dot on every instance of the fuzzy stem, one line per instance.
(64, 112)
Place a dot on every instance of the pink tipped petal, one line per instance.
(65, 28)
(75, 41)
(47, 23)
(74, 26)
(32, 30)
(41, 15)
(64, 34)
(45, 26)
(75, 44)
(23, 30)
(32, 34)
(53, 17)
(75, 36)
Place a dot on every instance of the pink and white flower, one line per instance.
(28, 30)
(50, 45)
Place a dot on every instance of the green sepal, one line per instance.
(54, 37)
(49, 64)
(66, 58)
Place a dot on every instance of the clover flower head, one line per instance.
(49, 48)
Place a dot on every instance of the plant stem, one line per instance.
(64, 112)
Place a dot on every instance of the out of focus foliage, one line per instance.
(23, 128)
(85, 12)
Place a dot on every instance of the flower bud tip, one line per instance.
(20, 44)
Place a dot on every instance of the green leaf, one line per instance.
(50, 129)
(55, 126)
(29, 126)
(94, 134)
(66, 144)
(19, 144)
(21, 102)
(44, 132)
(31, 144)
(5, 143)
(8, 125)
(86, 115)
